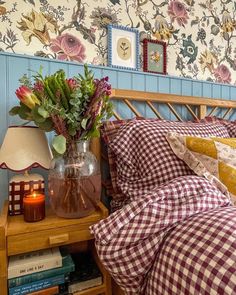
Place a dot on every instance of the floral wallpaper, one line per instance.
(200, 35)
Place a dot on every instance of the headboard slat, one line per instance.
(174, 112)
(213, 110)
(227, 112)
(155, 111)
(118, 117)
(127, 102)
(191, 111)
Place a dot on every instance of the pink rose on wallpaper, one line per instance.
(222, 74)
(68, 47)
(177, 11)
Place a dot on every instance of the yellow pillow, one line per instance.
(213, 158)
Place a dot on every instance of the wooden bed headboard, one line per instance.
(197, 107)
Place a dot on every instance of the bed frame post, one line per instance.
(202, 111)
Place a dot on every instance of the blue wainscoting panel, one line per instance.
(152, 83)
(226, 92)
(124, 80)
(35, 64)
(164, 87)
(197, 88)
(55, 66)
(3, 121)
(216, 91)
(187, 88)
(112, 74)
(233, 93)
(74, 70)
(207, 90)
(138, 83)
(175, 88)
(13, 66)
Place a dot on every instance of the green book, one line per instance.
(67, 267)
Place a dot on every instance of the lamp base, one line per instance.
(19, 186)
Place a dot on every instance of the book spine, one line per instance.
(22, 270)
(49, 291)
(35, 286)
(14, 282)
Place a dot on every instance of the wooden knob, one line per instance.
(59, 239)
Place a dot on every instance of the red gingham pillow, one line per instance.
(143, 157)
(229, 125)
(109, 131)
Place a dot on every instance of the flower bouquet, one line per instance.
(74, 109)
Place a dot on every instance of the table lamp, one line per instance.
(23, 148)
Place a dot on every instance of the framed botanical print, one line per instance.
(154, 56)
(123, 47)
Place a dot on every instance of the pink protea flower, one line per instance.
(68, 47)
(72, 83)
(27, 97)
(177, 11)
(222, 74)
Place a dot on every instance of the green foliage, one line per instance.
(59, 144)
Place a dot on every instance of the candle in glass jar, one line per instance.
(34, 207)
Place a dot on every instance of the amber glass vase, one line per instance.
(75, 182)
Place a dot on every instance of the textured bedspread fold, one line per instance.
(157, 243)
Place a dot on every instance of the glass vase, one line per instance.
(75, 182)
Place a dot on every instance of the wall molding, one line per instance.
(32, 57)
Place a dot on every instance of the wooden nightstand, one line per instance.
(17, 236)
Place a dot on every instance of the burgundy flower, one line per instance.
(38, 86)
(222, 74)
(68, 47)
(177, 11)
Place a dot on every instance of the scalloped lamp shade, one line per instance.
(24, 148)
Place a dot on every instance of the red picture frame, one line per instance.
(154, 56)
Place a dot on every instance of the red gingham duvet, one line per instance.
(178, 239)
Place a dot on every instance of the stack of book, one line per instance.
(43, 272)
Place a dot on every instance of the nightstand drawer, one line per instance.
(48, 238)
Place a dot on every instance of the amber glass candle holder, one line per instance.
(34, 207)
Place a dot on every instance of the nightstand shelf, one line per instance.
(17, 236)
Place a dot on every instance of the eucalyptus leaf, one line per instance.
(59, 144)
(14, 111)
(36, 116)
(24, 113)
(84, 123)
(43, 112)
(47, 125)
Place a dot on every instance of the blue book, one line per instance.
(67, 267)
(39, 285)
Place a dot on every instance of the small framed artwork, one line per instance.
(154, 56)
(123, 47)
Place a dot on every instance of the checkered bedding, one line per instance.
(229, 125)
(180, 238)
(144, 158)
